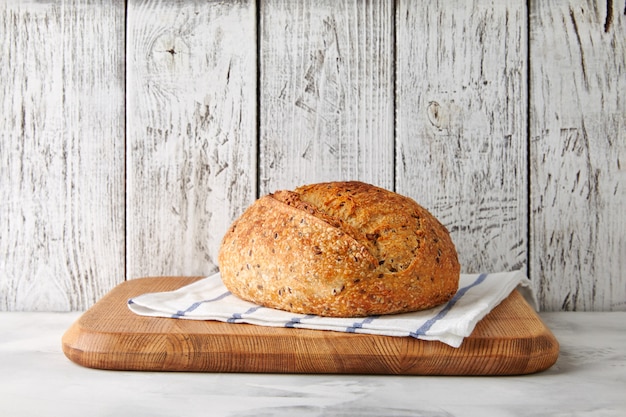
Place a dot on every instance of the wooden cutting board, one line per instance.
(511, 340)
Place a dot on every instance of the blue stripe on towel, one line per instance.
(460, 293)
(197, 304)
(292, 323)
(237, 316)
(359, 325)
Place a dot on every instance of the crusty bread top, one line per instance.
(339, 249)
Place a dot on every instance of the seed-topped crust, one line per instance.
(341, 249)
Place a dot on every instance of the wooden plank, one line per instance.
(511, 339)
(578, 154)
(326, 92)
(191, 138)
(61, 153)
(461, 124)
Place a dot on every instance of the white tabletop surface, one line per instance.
(36, 379)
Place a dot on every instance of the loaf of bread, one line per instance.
(339, 249)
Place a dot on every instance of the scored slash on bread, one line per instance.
(340, 249)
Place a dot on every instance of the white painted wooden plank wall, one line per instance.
(61, 153)
(578, 154)
(327, 93)
(461, 125)
(191, 131)
(132, 134)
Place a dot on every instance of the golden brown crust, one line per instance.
(342, 249)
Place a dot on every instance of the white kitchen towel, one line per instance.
(208, 299)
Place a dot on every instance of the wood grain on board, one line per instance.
(191, 130)
(511, 340)
(61, 153)
(578, 155)
(326, 92)
(461, 124)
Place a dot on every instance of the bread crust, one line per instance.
(339, 249)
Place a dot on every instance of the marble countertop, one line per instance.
(36, 379)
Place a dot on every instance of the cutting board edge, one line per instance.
(76, 342)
